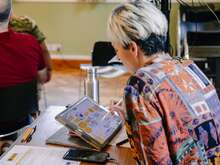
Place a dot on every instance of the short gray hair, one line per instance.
(135, 21)
(5, 10)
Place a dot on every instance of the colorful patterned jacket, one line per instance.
(172, 114)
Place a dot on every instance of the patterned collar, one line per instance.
(162, 57)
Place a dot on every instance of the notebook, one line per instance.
(62, 138)
(92, 122)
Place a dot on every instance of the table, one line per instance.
(47, 125)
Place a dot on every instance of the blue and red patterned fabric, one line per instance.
(172, 114)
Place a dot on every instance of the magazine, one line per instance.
(91, 122)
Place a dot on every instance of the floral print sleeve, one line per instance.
(145, 129)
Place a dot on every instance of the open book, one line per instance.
(93, 123)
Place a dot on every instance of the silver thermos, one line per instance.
(91, 84)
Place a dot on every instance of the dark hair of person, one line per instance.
(151, 45)
(4, 15)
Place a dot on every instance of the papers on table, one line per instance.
(32, 155)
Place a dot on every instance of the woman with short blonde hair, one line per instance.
(135, 21)
(170, 105)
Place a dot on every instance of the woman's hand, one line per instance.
(42, 76)
(117, 107)
(73, 134)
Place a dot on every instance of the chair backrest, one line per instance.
(103, 51)
(16, 103)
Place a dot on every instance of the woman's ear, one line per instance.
(133, 48)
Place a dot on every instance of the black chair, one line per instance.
(103, 51)
(17, 103)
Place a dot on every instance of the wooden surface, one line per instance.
(67, 64)
(121, 154)
(67, 86)
(47, 125)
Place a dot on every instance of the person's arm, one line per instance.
(44, 74)
(145, 129)
(47, 61)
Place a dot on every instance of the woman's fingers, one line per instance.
(114, 108)
(119, 110)
(73, 134)
(117, 102)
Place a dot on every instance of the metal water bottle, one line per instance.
(91, 84)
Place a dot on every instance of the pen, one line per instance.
(12, 157)
(27, 136)
(122, 142)
(119, 102)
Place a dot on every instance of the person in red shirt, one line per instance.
(21, 54)
(21, 60)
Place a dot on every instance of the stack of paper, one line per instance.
(32, 155)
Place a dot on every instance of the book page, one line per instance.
(33, 155)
